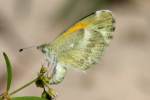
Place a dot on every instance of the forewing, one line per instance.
(85, 47)
(85, 54)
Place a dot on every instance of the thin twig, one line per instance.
(24, 86)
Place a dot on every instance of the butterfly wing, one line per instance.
(84, 43)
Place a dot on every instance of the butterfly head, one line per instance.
(44, 48)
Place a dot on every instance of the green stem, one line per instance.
(0, 97)
(24, 86)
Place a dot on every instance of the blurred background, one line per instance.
(122, 74)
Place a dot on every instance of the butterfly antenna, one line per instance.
(22, 49)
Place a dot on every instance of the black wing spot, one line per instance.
(100, 27)
(113, 20)
(113, 28)
(110, 37)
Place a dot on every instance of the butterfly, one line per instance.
(80, 46)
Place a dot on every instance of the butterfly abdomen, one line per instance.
(58, 74)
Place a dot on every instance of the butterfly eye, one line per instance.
(44, 50)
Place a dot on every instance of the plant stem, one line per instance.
(1, 96)
(24, 86)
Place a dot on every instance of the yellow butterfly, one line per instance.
(81, 46)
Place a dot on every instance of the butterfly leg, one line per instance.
(48, 67)
(52, 64)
